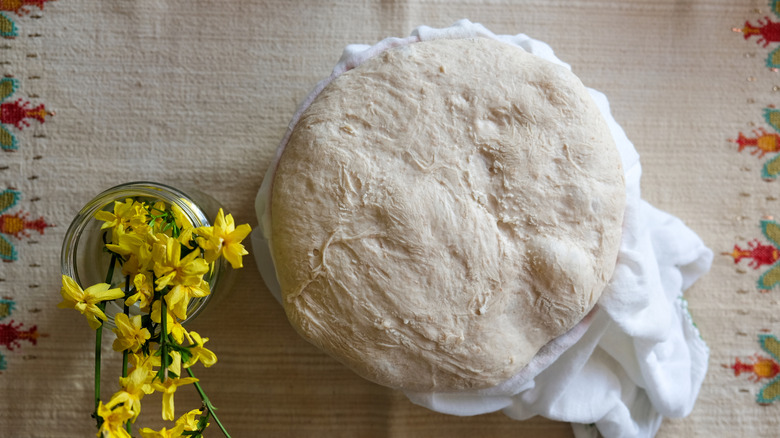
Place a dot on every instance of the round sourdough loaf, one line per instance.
(443, 211)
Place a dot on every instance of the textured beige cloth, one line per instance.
(198, 94)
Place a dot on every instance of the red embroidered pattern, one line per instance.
(15, 225)
(759, 367)
(763, 254)
(767, 31)
(18, 7)
(763, 142)
(12, 333)
(760, 254)
(763, 368)
(19, 111)
(16, 114)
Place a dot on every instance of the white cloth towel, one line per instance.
(632, 361)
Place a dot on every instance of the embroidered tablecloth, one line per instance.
(198, 94)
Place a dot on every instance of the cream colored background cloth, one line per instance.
(196, 93)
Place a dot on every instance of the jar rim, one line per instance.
(153, 190)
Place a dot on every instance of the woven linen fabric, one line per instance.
(198, 94)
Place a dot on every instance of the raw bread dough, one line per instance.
(444, 210)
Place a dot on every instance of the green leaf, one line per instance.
(771, 230)
(772, 117)
(772, 167)
(8, 198)
(7, 249)
(7, 86)
(7, 140)
(770, 278)
(770, 392)
(770, 344)
(7, 28)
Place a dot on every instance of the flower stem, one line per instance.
(99, 341)
(126, 311)
(125, 352)
(164, 338)
(209, 406)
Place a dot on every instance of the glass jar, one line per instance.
(83, 257)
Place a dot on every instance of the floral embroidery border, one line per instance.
(763, 253)
(763, 368)
(20, 8)
(12, 333)
(16, 224)
(762, 143)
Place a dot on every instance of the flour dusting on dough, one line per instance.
(444, 210)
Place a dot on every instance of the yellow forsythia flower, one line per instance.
(129, 333)
(168, 388)
(189, 421)
(175, 366)
(185, 238)
(162, 433)
(144, 292)
(199, 352)
(172, 326)
(140, 360)
(177, 331)
(85, 301)
(123, 212)
(124, 242)
(156, 317)
(171, 269)
(140, 257)
(180, 218)
(134, 387)
(180, 295)
(224, 238)
(158, 224)
(114, 421)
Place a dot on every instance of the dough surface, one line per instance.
(443, 211)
